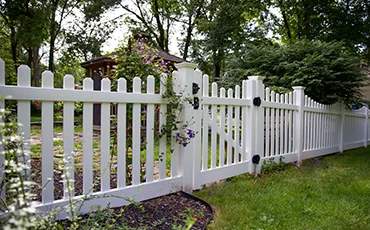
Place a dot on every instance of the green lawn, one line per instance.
(332, 193)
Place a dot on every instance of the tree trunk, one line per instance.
(285, 19)
(14, 45)
(36, 67)
(217, 59)
(52, 42)
(30, 57)
(188, 38)
(161, 42)
(51, 54)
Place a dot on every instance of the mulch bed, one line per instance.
(160, 213)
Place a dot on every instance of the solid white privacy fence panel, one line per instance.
(232, 126)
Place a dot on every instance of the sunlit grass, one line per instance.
(330, 193)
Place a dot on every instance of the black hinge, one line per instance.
(257, 101)
(195, 88)
(196, 103)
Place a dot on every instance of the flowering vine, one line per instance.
(138, 59)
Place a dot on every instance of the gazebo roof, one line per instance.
(107, 58)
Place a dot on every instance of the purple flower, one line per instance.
(139, 47)
(185, 144)
(163, 64)
(191, 133)
(148, 58)
(177, 137)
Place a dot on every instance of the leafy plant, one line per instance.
(15, 207)
(329, 72)
(270, 165)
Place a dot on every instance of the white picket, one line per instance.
(68, 139)
(229, 128)
(136, 135)
(150, 133)
(267, 136)
(244, 146)
(277, 126)
(281, 125)
(121, 136)
(87, 128)
(205, 132)
(273, 127)
(24, 114)
(222, 130)
(237, 126)
(163, 139)
(174, 157)
(290, 126)
(214, 129)
(286, 125)
(47, 149)
(105, 139)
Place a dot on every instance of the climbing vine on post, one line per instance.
(138, 59)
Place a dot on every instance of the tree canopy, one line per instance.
(329, 72)
(215, 34)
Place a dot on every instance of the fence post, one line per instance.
(366, 124)
(258, 121)
(254, 135)
(183, 82)
(197, 147)
(250, 125)
(2, 107)
(298, 125)
(341, 129)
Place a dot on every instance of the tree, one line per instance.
(329, 72)
(327, 20)
(227, 26)
(25, 22)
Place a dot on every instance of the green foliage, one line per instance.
(15, 208)
(270, 165)
(329, 72)
(325, 20)
(137, 59)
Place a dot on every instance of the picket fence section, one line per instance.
(232, 126)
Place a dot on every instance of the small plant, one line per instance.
(189, 217)
(271, 165)
(16, 208)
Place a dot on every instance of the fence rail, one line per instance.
(232, 126)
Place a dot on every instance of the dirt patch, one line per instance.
(166, 212)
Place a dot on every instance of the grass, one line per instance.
(58, 118)
(331, 193)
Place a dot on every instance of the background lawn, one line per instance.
(332, 192)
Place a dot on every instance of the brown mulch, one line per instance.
(160, 213)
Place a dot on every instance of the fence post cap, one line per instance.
(186, 65)
(256, 78)
(299, 87)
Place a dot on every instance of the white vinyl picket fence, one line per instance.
(232, 126)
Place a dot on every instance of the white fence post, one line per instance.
(258, 121)
(249, 125)
(2, 106)
(341, 128)
(365, 125)
(183, 84)
(298, 125)
(197, 142)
